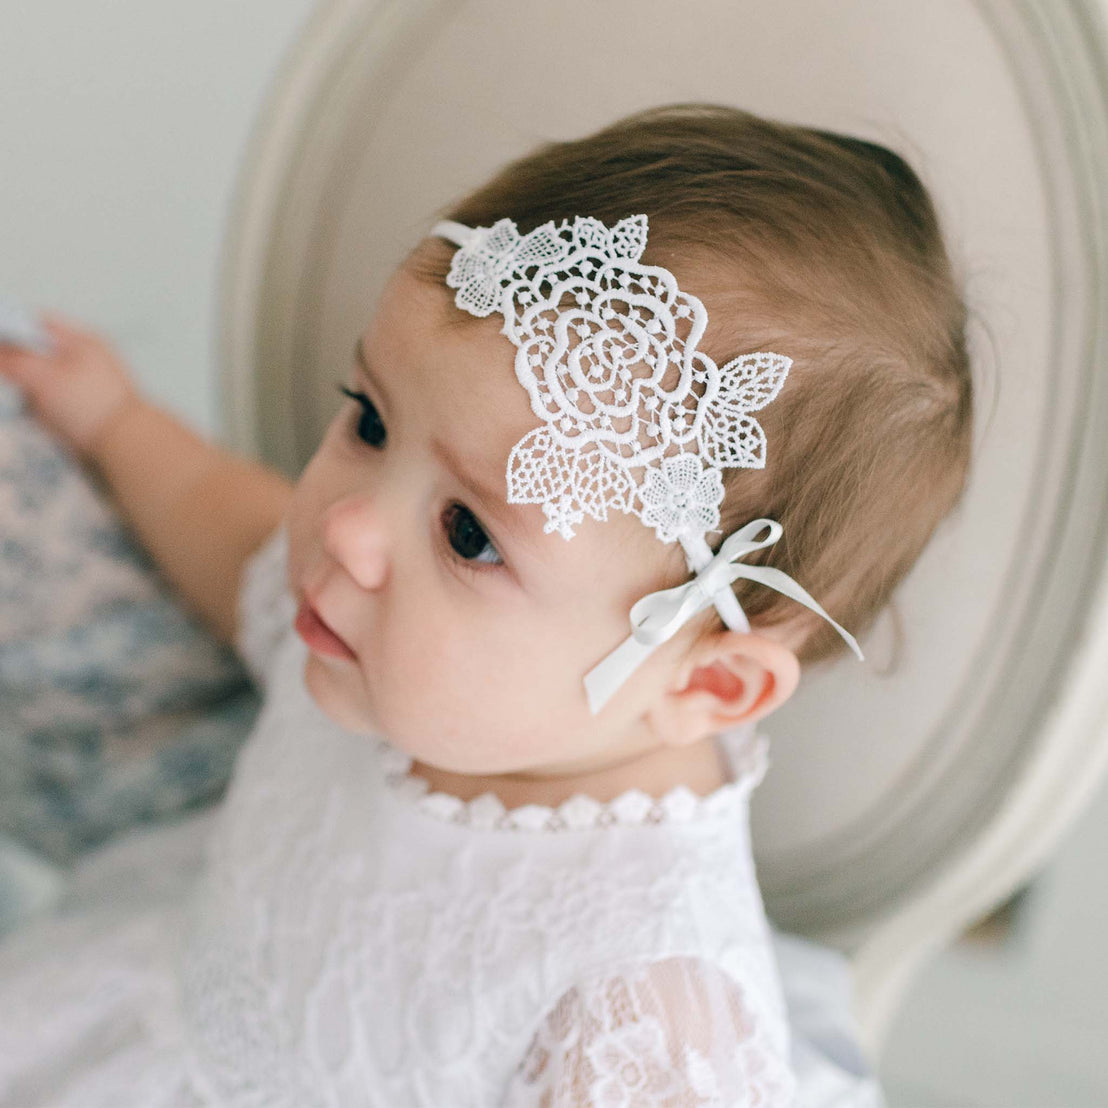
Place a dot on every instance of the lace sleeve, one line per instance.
(265, 607)
(671, 1034)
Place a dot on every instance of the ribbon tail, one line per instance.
(782, 582)
(607, 675)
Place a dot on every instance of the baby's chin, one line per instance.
(328, 681)
(432, 743)
(324, 680)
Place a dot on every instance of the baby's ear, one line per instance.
(729, 678)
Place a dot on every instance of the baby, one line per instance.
(626, 430)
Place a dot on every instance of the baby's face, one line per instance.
(472, 629)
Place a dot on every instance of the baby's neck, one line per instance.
(702, 768)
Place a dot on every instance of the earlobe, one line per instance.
(732, 678)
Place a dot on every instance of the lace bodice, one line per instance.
(357, 942)
(356, 934)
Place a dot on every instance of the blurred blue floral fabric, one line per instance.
(117, 706)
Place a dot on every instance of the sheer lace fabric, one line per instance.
(351, 941)
(673, 1034)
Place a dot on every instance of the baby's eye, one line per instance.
(370, 429)
(466, 538)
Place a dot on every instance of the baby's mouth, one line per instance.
(311, 628)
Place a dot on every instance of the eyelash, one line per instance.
(470, 564)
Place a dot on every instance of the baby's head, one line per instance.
(471, 624)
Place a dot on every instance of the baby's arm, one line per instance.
(198, 509)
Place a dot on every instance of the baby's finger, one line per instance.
(16, 364)
(40, 345)
(62, 331)
(54, 321)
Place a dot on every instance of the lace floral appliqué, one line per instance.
(607, 351)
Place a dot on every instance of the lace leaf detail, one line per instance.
(751, 381)
(732, 438)
(567, 483)
(629, 238)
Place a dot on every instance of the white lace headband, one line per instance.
(620, 387)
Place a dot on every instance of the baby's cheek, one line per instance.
(421, 699)
(476, 698)
(531, 713)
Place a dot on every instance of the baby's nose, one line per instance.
(354, 534)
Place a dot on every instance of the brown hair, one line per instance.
(815, 245)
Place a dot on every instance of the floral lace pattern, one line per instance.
(607, 351)
(348, 939)
(677, 1033)
(360, 932)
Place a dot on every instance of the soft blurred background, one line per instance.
(124, 128)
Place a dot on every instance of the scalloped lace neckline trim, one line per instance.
(633, 808)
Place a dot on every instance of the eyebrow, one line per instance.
(370, 376)
(493, 499)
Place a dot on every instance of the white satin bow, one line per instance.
(658, 616)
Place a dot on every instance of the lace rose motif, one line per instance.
(607, 351)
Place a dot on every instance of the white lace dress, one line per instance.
(336, 936)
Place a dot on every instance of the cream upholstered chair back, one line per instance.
(902, 804)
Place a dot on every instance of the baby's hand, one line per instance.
(75, 390)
